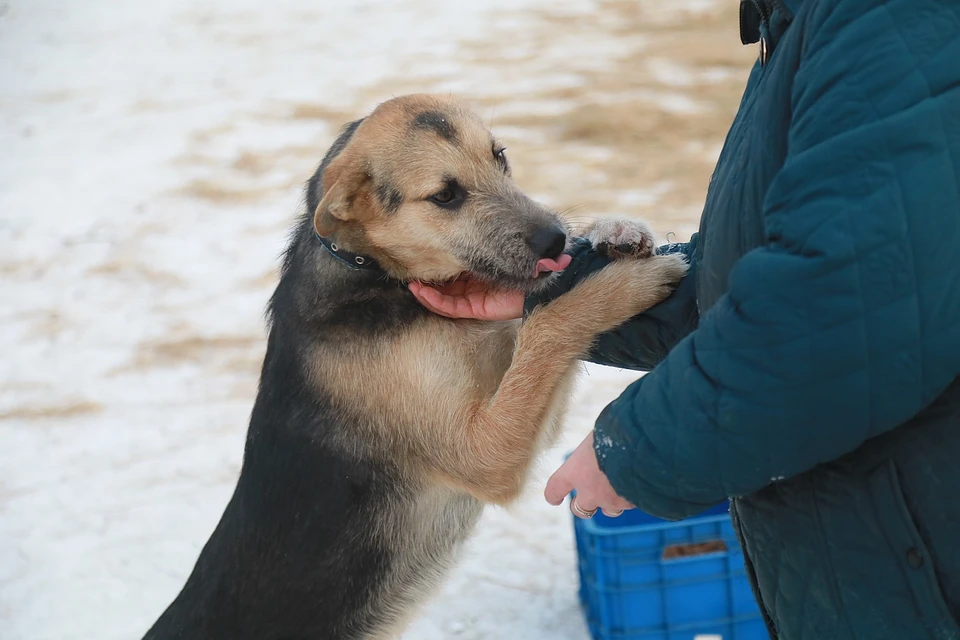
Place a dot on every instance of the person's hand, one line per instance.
(581, 472)
(468, 297)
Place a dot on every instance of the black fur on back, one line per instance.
(294, 555)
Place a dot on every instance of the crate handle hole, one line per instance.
(675, 551)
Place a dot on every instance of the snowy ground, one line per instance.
(152, 158)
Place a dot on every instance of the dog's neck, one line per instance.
(355, 261)
(325, 295)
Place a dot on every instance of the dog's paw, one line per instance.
(657, 278)
(621, 238)
(672, 268)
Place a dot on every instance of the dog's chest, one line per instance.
(491, 347)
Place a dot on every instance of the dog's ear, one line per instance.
(345, 195)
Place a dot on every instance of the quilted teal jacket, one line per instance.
(808, 366)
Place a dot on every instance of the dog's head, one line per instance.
(423, 187)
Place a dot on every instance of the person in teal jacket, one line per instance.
(807, 367)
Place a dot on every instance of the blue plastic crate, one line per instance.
(630, 592)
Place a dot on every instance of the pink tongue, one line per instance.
(546, 264)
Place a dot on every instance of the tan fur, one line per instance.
(414, 245)
(463, 407)
(471, 413)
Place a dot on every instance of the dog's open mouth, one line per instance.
(528, 279)
(547, 266)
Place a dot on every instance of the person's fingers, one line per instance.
(453, 306)
(448, 300)
(457, 287)
(612, 504)
(481, 305)
(436, 301)
(558, 487)
(502, 304)
(583, 506)
(418, 289)
(469, 299)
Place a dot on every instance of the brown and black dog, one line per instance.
(380, 429)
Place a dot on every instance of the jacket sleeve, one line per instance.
(644, 340)
(846, 323)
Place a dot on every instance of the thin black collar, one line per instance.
(354, 261)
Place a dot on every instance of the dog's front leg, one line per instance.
(500, 432)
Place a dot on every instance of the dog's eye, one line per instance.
(443, 197)
(450, 197)
(501, 158)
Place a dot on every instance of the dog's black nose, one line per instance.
(548, 242)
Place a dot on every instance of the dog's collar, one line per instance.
(354, 261)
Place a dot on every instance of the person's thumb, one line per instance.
(558, 487)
